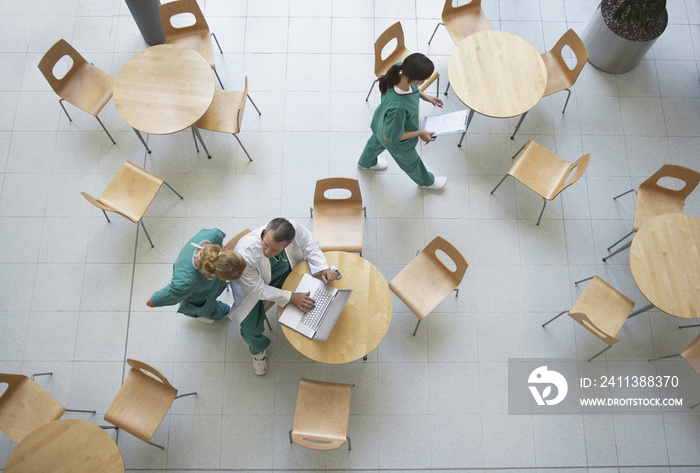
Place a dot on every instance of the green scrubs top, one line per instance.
(195, 293)
(397, 114)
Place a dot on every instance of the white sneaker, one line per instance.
(260, 363)
(205, 320)
(438, 184)
(380, 166)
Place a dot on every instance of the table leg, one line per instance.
(195, 130)
(138, 133)
(469, 120)
(643, 309)
(522, 117)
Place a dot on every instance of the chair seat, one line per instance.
(605, 307)
(140, 405)
(222, 115)
(94, 97)
(322, 414)
(131, 191)
(25, 406)
(340, 228)
(540, 170)
(557, 79)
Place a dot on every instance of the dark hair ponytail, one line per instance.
(416, 66)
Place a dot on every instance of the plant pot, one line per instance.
(609, 52)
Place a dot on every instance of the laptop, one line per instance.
(318, 322)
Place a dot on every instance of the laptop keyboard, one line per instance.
(312, 318)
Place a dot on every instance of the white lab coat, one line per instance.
(254, 284)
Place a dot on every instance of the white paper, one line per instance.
(447, 123)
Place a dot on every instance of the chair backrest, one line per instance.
(461, 264)
(169, 9)
(579, 166)
(395, 31)
(690, 177)
(25, 406)
(559, 73)
(464, 20)
(52, 56)
(324, 185)
(148, 370)
(231, 244)
(691, 354)
(322, 414)
(602, 310)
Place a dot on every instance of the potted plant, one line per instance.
(622, 31)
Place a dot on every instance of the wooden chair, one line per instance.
(381, 66)
(84, 85)
(231, 245)
(601, 310)
(321, 416)
(425, 282)
(142, 401)
(25, 406)
(463, 21)
(691, 354)
(654, 200)
(338, 221)
(544, 172)
(196, 36)
(559, 75)
(130, 193)
(225, 114)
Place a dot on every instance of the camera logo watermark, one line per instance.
(543, 376)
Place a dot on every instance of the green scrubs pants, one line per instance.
(409, 161)
(253, 326)
(218, 311)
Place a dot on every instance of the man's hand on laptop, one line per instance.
(302, 301)
(328, 275)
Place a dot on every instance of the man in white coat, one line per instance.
(270, 253)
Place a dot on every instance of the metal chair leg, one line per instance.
(600, 352)
(639, 311)
(217, 42)
(521, 148)
(416, 329)
(219, 78)
(542, 211)
(499, 183)
(567, 100)
(194, 137)
(256, 107)
(626, 192)
(622, 248)
(311, 212)
(195, 130)
(105, 129)
(146, 232)
(688, 326)
(171, 188)
(350, 446)
(555, 317)
(105, 214)
(664, 357)
(435, 31)
(618, 241)
(517, 127)
(244, 150)
(583, 280)
(156, 445)
(695, 405)
(437, 91)
(49, 373)
(60, 102)
(268, 323)
(469, 120)
(80, 410)
(370, 89)
(448, 86)
(185, 395)
(290, 436)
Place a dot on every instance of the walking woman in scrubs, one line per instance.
(395, 125)
(200, 273)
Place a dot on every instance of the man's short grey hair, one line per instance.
(282, 228)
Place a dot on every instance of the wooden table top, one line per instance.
(497, 74)
(364, 320)
(163, 89)
(665, 263)
(66, 445)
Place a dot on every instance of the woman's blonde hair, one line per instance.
(226, 265)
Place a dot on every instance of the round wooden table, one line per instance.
(665, 263)
(364, 320)
(497, 74)
(163, 89)
(66, 445)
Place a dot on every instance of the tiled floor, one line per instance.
(73, 287)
